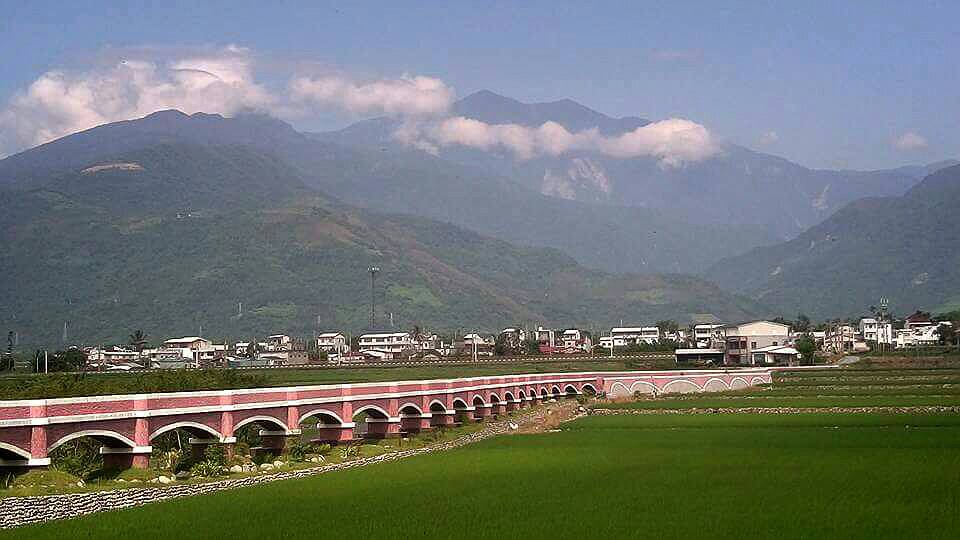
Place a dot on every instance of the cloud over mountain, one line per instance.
(396, 97)
(61, 102)
(673, 141)
(225, 80)
(910, 140)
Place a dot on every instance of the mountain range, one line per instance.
(178, 236)
(736, 187)
(173, 220)
(902, 248)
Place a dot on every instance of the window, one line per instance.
(753, 344)
(775, 343)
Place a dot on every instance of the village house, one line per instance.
(575, 341)
(332, 343)
(475, 344)
(386, 345)
(741, 340)
(546, 339)
(775, 355)
(706, 336)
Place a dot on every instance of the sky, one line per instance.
(860, 85)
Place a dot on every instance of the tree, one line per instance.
(253, 350)
(803, 324)
(947, 334)
(69, 360)
(667, 327)
(138, 339)
(531, 346)
(807, 349)
(6, 363)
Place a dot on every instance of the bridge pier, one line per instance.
(415, 423)
(442, 419)
(482, 412)
(126, 458)
(274, 441)
(382, 428)
(334, 433)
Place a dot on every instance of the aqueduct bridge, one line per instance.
(126, 424)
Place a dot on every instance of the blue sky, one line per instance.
(821, 84)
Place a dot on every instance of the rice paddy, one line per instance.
(838, 475)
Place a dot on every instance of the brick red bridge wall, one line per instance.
(127, 424)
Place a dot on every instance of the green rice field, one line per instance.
(718, 476)
(811, 475)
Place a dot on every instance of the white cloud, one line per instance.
(224, 80)
(400, 97)
(910, 140)
(61, 102)
(768, 138)
(673, 142)
(213, 80)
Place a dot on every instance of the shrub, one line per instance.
(80, 457)
(165, 460)
(297, 451)
(208, 468)
(350, 451)
(215, 453)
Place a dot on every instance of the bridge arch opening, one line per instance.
(715, 385)
(88, 453)
(555, 392)
(479, 407)
(680, 386)
(570, 390)
(619, 390)
(588, 389)
(11, 452)
(250, 431)
(195, 429)
(371, 421)
(543, 393)
(438, 412)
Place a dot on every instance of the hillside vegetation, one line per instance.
(902, 248)
(195, 229)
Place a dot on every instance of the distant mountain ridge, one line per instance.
(173, 236)
(902, 248)
(738, 186)
(400, 180)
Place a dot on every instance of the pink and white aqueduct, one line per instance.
(126, 424)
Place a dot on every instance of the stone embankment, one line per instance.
(931, 409)
(18, 511)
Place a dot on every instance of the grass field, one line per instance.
(721, 476)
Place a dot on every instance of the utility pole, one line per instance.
(373, 296)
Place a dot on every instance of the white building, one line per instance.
(872, 330)
(625, 336)
(278, 342)
(775, 355)
(741, 340)
(704, 335)
(196, 351)
(386, 345)
(332, 343)
(575, 340)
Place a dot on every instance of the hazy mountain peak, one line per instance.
(494, 108)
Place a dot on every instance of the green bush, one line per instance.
(208, 468)
(80, 457)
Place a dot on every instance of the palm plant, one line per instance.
(139, 340)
